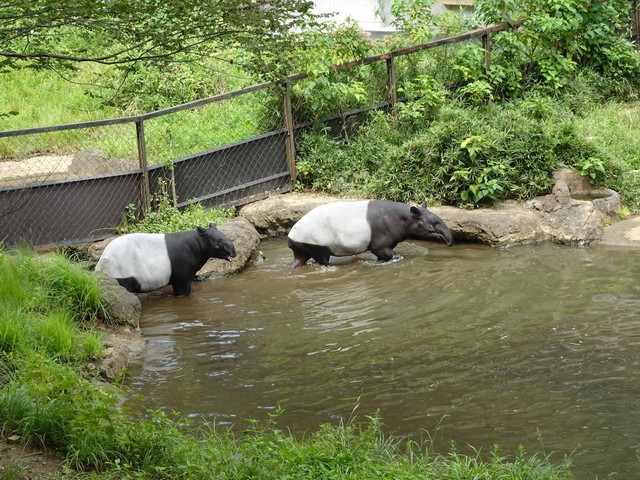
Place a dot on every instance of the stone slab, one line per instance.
(625, 233)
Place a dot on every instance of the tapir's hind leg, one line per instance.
(131, 284)
(302, 252)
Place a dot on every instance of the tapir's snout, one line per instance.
(443, 232)
(232, 254)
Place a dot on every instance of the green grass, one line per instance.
(35, 98)
(42, 302)
(96, 435)
(13, 471)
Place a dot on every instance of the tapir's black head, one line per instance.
(425, 225)
(219, 245)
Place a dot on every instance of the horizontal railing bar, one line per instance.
(219, 193)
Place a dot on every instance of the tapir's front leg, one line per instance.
(384, 254)
(181, 288)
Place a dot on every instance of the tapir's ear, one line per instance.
(212, 225)
(201, 230)
(414, 210)
(424, 204)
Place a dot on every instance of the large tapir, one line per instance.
(142, 262)
(353, 227)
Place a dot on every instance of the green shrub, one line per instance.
(560, 36)
(166, 218)
(460, 156)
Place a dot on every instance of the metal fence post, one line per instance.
(290, 140)
(391, 84)
(486, 45)
(636, 23)
(145, 190)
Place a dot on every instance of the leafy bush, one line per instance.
(165, 218)
(461, 156)
(558, 38)
(327, 92)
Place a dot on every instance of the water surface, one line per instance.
(536, 345)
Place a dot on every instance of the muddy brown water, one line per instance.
(536, 346)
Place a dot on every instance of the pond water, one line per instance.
(536, 346)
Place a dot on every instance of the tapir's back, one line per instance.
(340, 226)
(142, 256)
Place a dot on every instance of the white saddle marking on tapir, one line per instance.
(143, 256)
(341, 227)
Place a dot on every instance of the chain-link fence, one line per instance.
(227, 152)
(70, 195)
(219, 151)
(73, 183)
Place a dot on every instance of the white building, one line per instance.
(374, 16)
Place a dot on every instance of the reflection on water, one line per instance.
(532, 345)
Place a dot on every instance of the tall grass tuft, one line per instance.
(14, 329)
(43, 301)
(56, 334)
(66, 285)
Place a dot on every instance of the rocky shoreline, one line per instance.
(574, 213)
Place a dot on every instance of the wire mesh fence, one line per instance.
(220, 153)
(66, 185)
(73, 183)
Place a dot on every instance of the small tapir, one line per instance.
(142, 262)
(353, 227)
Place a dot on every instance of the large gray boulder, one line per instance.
(507, 224)
(122, 308)
(575, 212)
(245, 238)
